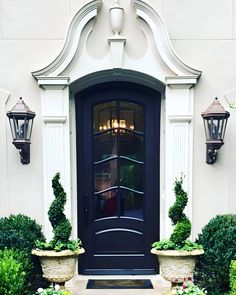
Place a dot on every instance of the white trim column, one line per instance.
(179, 142)
(55, 141)
(4, 191)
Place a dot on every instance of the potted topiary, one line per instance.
(177, 255)
(58, 257)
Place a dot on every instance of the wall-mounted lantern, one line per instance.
(21, 122)
(215, 121)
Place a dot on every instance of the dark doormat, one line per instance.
(119, 284)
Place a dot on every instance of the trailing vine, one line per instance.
(182, 229)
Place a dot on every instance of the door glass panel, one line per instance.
(131, 204)
(118, 116)
(105, 146)
(106, 204)
(132, 146)
(131, 175)
(105, 116)
(131, 115)
(105, 175)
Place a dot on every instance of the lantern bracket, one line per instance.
(211, 154)
(24, 153)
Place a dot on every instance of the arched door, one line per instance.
(118, 130)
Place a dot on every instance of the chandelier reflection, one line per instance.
(116, 124)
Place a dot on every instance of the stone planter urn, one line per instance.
(58, 267)
(176, 265)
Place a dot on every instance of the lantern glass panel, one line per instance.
(207, 125)
(28, 128)
(21, 128)
(215, 128)
(220, 129)
(13, 131)
(224, 123)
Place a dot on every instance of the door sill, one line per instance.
(119, 272)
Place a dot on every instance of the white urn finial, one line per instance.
(116, 17)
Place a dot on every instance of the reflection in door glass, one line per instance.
(103, 114)
(105, 175)
(105, 146)
(132, 114)
(131, 204)
(131, 175)
(106, 204)
(118, 116)
(132, 146)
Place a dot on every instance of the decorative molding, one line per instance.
(116, 13)
(180, 150)
(118, 39)
(115, 75)
(181, 81)
(117, 44)
(53, 81)
(82, 17)
(162, 40)
(54, 119)
(180, 118)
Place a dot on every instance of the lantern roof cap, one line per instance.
(215, 110)
(20, 109)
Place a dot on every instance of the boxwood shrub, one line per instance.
(218, 239)
(20, 232)
(12, 272)
(232, 277)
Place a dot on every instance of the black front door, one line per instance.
(118, 178)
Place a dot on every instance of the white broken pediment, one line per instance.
(159, 60)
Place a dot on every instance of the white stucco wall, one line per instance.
(203, 34)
